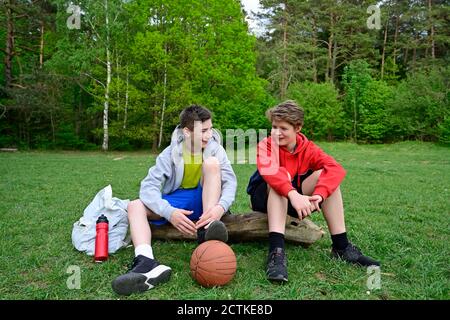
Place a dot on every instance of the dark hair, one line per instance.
(288, 111)
(193, 113)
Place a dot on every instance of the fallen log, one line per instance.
(251, 227)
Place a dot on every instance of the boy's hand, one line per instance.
(213, 213)
(183, 223)
(301, 204)
(316, 200)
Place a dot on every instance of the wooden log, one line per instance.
(251, 227)
(8, 149)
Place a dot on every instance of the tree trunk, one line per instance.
(384, 48)
(164, 100)
(314, 63)
(9, 50)
(333, 62)
(405, 58)
(416, 41)
(126, 104)
(53, 126)
(78, 113)
(397, 21)
(330, 48)
(431, 30)
(355, 115)
(155, 132)
(108, 81)
(41, 46)
(251, 227)
(284, 72)
(118, 86)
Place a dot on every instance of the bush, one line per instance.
(323, 111)
(444, 131)
(419, 107)
(374, 123)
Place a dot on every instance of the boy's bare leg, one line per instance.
(146, 272)
(212, 188)
(332, 207)
(276, 211)
(333, 211)
(138, 215)
(211, 183)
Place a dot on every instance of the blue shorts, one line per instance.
(187, 199)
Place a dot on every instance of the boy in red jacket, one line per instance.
(296, 177)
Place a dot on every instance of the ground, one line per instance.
(396, 198)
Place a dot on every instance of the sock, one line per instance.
(145, 250)
(276, 240)
(340, 241)
(201, 235)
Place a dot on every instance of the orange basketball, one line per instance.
(213, 263)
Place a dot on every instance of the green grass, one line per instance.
(396, 197)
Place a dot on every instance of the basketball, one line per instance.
(213, 263)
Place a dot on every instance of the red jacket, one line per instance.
(306, 156)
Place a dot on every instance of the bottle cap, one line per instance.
(102, 218)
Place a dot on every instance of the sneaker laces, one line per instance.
(276, 257)
(133, 264)
(355, 249)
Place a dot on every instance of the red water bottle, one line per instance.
(101, 239)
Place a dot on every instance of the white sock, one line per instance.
(145, 250)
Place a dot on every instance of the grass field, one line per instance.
(396, 197)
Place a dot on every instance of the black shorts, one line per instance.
(257, 190)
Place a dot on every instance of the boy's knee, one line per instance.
(134, 206)
(211, 165)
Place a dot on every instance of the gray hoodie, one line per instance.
(166, 175)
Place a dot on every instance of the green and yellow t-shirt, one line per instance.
(192, 169)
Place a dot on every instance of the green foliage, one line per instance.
(420, 106)
(365, 103)
(324, 115)
(374, 122)
(391, 71)
(355, 80)
(444, 130)
(165, 55)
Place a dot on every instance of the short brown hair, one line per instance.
(193, 113)
(288, 111)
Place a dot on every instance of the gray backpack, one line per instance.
(83, 232)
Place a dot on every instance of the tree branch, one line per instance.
(100, 60)
(26, 48)
(4, 110)
(84, 89)
(118, 13)
(98, 81)
(17, 85)
(95, 30)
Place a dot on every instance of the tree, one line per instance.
(419, 106)
(324, 115)
(355, 81)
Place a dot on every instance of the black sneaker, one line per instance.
(277, 266)
(216, 231)
(352, 254)
(144, 274)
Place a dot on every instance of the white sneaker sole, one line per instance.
(139, 282)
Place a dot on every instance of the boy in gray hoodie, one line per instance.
(191, 186)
